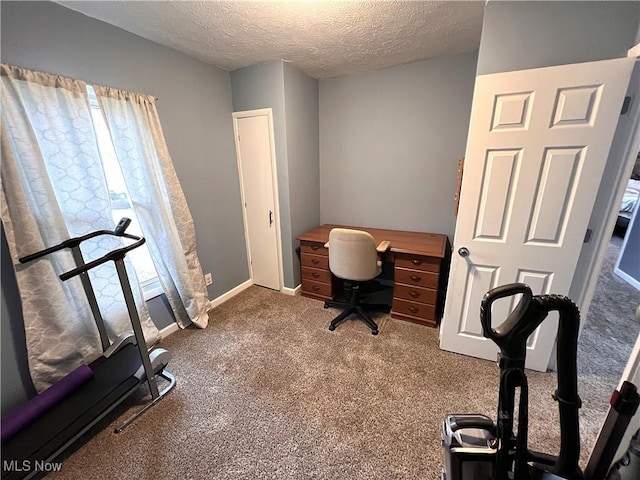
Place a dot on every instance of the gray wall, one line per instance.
(293, 98)
(303, 154)
(14, 369)
(195, 110)
(529, 34)
(390, 141)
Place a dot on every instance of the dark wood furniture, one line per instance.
(420, 269)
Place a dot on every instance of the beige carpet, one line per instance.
(266, 391)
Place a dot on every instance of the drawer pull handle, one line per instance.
(416, 278)
(415, 261)
(413, 309)
(315, 274)
(315, 262)
(315, 247)
(315, 288)
(414, 294)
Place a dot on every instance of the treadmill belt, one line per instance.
(113, 381)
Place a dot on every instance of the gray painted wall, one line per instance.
(293, 98)
(14, 369)
(195, 110)
(529, 34)
(303, 154)
(390, 141)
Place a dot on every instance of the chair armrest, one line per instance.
(326, 245)
(383, 246)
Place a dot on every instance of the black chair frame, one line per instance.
(355, 306)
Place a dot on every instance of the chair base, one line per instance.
(357, 308)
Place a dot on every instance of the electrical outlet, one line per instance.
(208, 279)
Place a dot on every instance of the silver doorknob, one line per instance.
(463, 251)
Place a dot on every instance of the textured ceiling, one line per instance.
(322, 38)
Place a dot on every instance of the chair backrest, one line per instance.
(352, 254)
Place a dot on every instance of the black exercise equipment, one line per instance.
(124, 366)
(477, 449)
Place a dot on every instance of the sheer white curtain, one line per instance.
(158, 200)
(53, 187)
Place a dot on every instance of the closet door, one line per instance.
(256, 166)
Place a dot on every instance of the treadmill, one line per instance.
(123, 367)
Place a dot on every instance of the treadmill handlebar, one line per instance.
(119, 231)
(113, 255)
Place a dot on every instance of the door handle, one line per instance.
(270, 218)
(463, 252)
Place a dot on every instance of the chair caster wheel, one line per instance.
(374, 332)
(326, 306)
(332, 328)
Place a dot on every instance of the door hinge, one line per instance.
(587, 235)
(626, 105)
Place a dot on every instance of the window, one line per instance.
(120, 203)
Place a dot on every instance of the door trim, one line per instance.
(585, 288)
(263, 112)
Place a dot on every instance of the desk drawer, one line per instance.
(418, 278)
(316, 288)
(316, 274)
(315, 248)
(419, 262)
(314, 261)
(415, 294)
(414, 309)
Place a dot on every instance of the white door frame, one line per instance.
(263, 112)
(627, 147)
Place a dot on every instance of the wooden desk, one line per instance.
(420, 270)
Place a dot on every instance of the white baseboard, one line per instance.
(231, 293)
(627, 278)
(168, 330)
(292, 291)
(173, 328)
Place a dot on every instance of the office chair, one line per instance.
(353, 256)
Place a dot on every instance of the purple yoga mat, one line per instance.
(39, 404)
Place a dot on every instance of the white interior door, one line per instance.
(537, 147)
(253, 143)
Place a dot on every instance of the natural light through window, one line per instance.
(120, 201)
